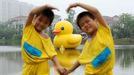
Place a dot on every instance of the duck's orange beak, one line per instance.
(56, 31)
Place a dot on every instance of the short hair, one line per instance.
(82, 14)
(49, 14)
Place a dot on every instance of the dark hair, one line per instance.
(82, 14)
(49, 14)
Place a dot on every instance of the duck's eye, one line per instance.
(62, 28)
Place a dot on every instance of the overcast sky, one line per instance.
(106, 7)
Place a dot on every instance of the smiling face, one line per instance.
(88, 25)
(63, 27)
(41, 22)
(87, 22)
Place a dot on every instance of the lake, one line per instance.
(11, 62)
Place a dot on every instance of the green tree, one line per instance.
(124, 28)
(6, 32)
(9, 34)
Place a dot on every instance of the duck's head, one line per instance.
(63, 27)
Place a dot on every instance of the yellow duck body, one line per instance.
(64, 36)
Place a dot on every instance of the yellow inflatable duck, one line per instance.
(64, 37)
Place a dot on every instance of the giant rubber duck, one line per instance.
(64, 35)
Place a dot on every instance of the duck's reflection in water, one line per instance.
(68, 57)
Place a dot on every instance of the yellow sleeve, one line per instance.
(84, 56)
(104, 28)
(49, 49)
(27, 29)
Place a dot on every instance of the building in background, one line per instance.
(12, 8)
(111, 20)
(15, 13)
(19, 22)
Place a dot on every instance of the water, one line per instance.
(11, 62)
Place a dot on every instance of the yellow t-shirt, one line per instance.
(99, 53)
(36, 50)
